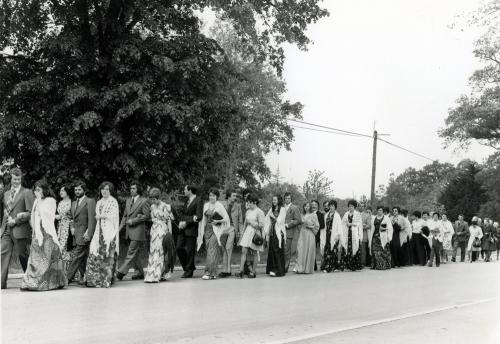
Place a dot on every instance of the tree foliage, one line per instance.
(463, 194)
(317, 186)
(477, 116)
(119, 89)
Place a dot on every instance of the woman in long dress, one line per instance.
(45, 269)
(379, 240)
(329, 240)
(489, 239)
(104, 246)
(254, 224)
(64, 217)
(276, 236)
(352, 232)
(161, 217)
(215, 221)
(447, 231)
(474, 244)
(306, 245)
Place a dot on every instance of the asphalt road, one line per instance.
(456, 303)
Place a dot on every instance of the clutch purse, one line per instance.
(477, 242)
(216, 216)
(257, 239)
(426, 230)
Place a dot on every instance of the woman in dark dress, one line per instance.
(330, 240)
(379, 239)
(276, 235)
(352, 232)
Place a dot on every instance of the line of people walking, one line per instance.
(84, 246)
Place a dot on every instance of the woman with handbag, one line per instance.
(474, 245)
(306, 245)
(215, 221)
(252, 238)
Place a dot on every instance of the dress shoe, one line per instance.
(119, 275)
(187, 274)
(137, 277)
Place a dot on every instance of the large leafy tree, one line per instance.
(318, 186)
(463, 194)
(119, 89)
(476, 116)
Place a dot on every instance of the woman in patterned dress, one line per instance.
(214, 222)
(306, 244)
(104, 245)
(352, 232)
(254, 223)
(379, 240)
(276, 236)
(329, 240)
(447, 231)
(161, 216)
(45, 269)
(64, 217)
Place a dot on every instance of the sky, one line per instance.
(396, 65)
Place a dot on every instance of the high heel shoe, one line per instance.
(240, 274)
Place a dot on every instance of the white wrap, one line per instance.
(279, 227)
(44, 215)
(336, 230)
(218, 229)
(108, 225)
(385, 236)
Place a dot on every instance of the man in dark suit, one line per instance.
(82, 228)
(188, 230)
(293, 221)
(15, 230)
(137, 212)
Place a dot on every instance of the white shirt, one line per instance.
(134, 199)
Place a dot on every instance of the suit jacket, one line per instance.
(461, 231)
(139, 213)
(83, 218)
(23, 204)
(1, 207)
(293, 220)
(236, 216)
(195, 208)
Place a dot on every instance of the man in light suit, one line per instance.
(137, 212)
(188, 230)
(293, 220)
(82, 228)
(15, 230)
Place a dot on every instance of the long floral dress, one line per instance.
(64, 209)
(156, 262)
(352, 261)
(381, 256)
(101, 263)
(331, 257)
(45, 269)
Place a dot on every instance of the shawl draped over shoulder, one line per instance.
(357, 231)
(336, 230)
(108, 225)
(385, 236)
(44, 215)
(218, 229)
(279, 227)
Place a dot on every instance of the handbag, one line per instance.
(476, 243)
(257, 239)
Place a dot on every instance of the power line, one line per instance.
(407, 150)
(330, 128)
(323, 131)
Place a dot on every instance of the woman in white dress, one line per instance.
(447, 231)
(253, 226)
(474, 244)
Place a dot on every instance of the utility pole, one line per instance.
(374, 168)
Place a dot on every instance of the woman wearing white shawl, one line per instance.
(215, 221)
(46, 269)
(352, 232)
(329, 240)
(447, 231)
(378, 240)
(104, 246)
(275, 232)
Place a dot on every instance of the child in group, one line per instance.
(436, 242)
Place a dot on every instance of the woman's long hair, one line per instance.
(279, 205)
